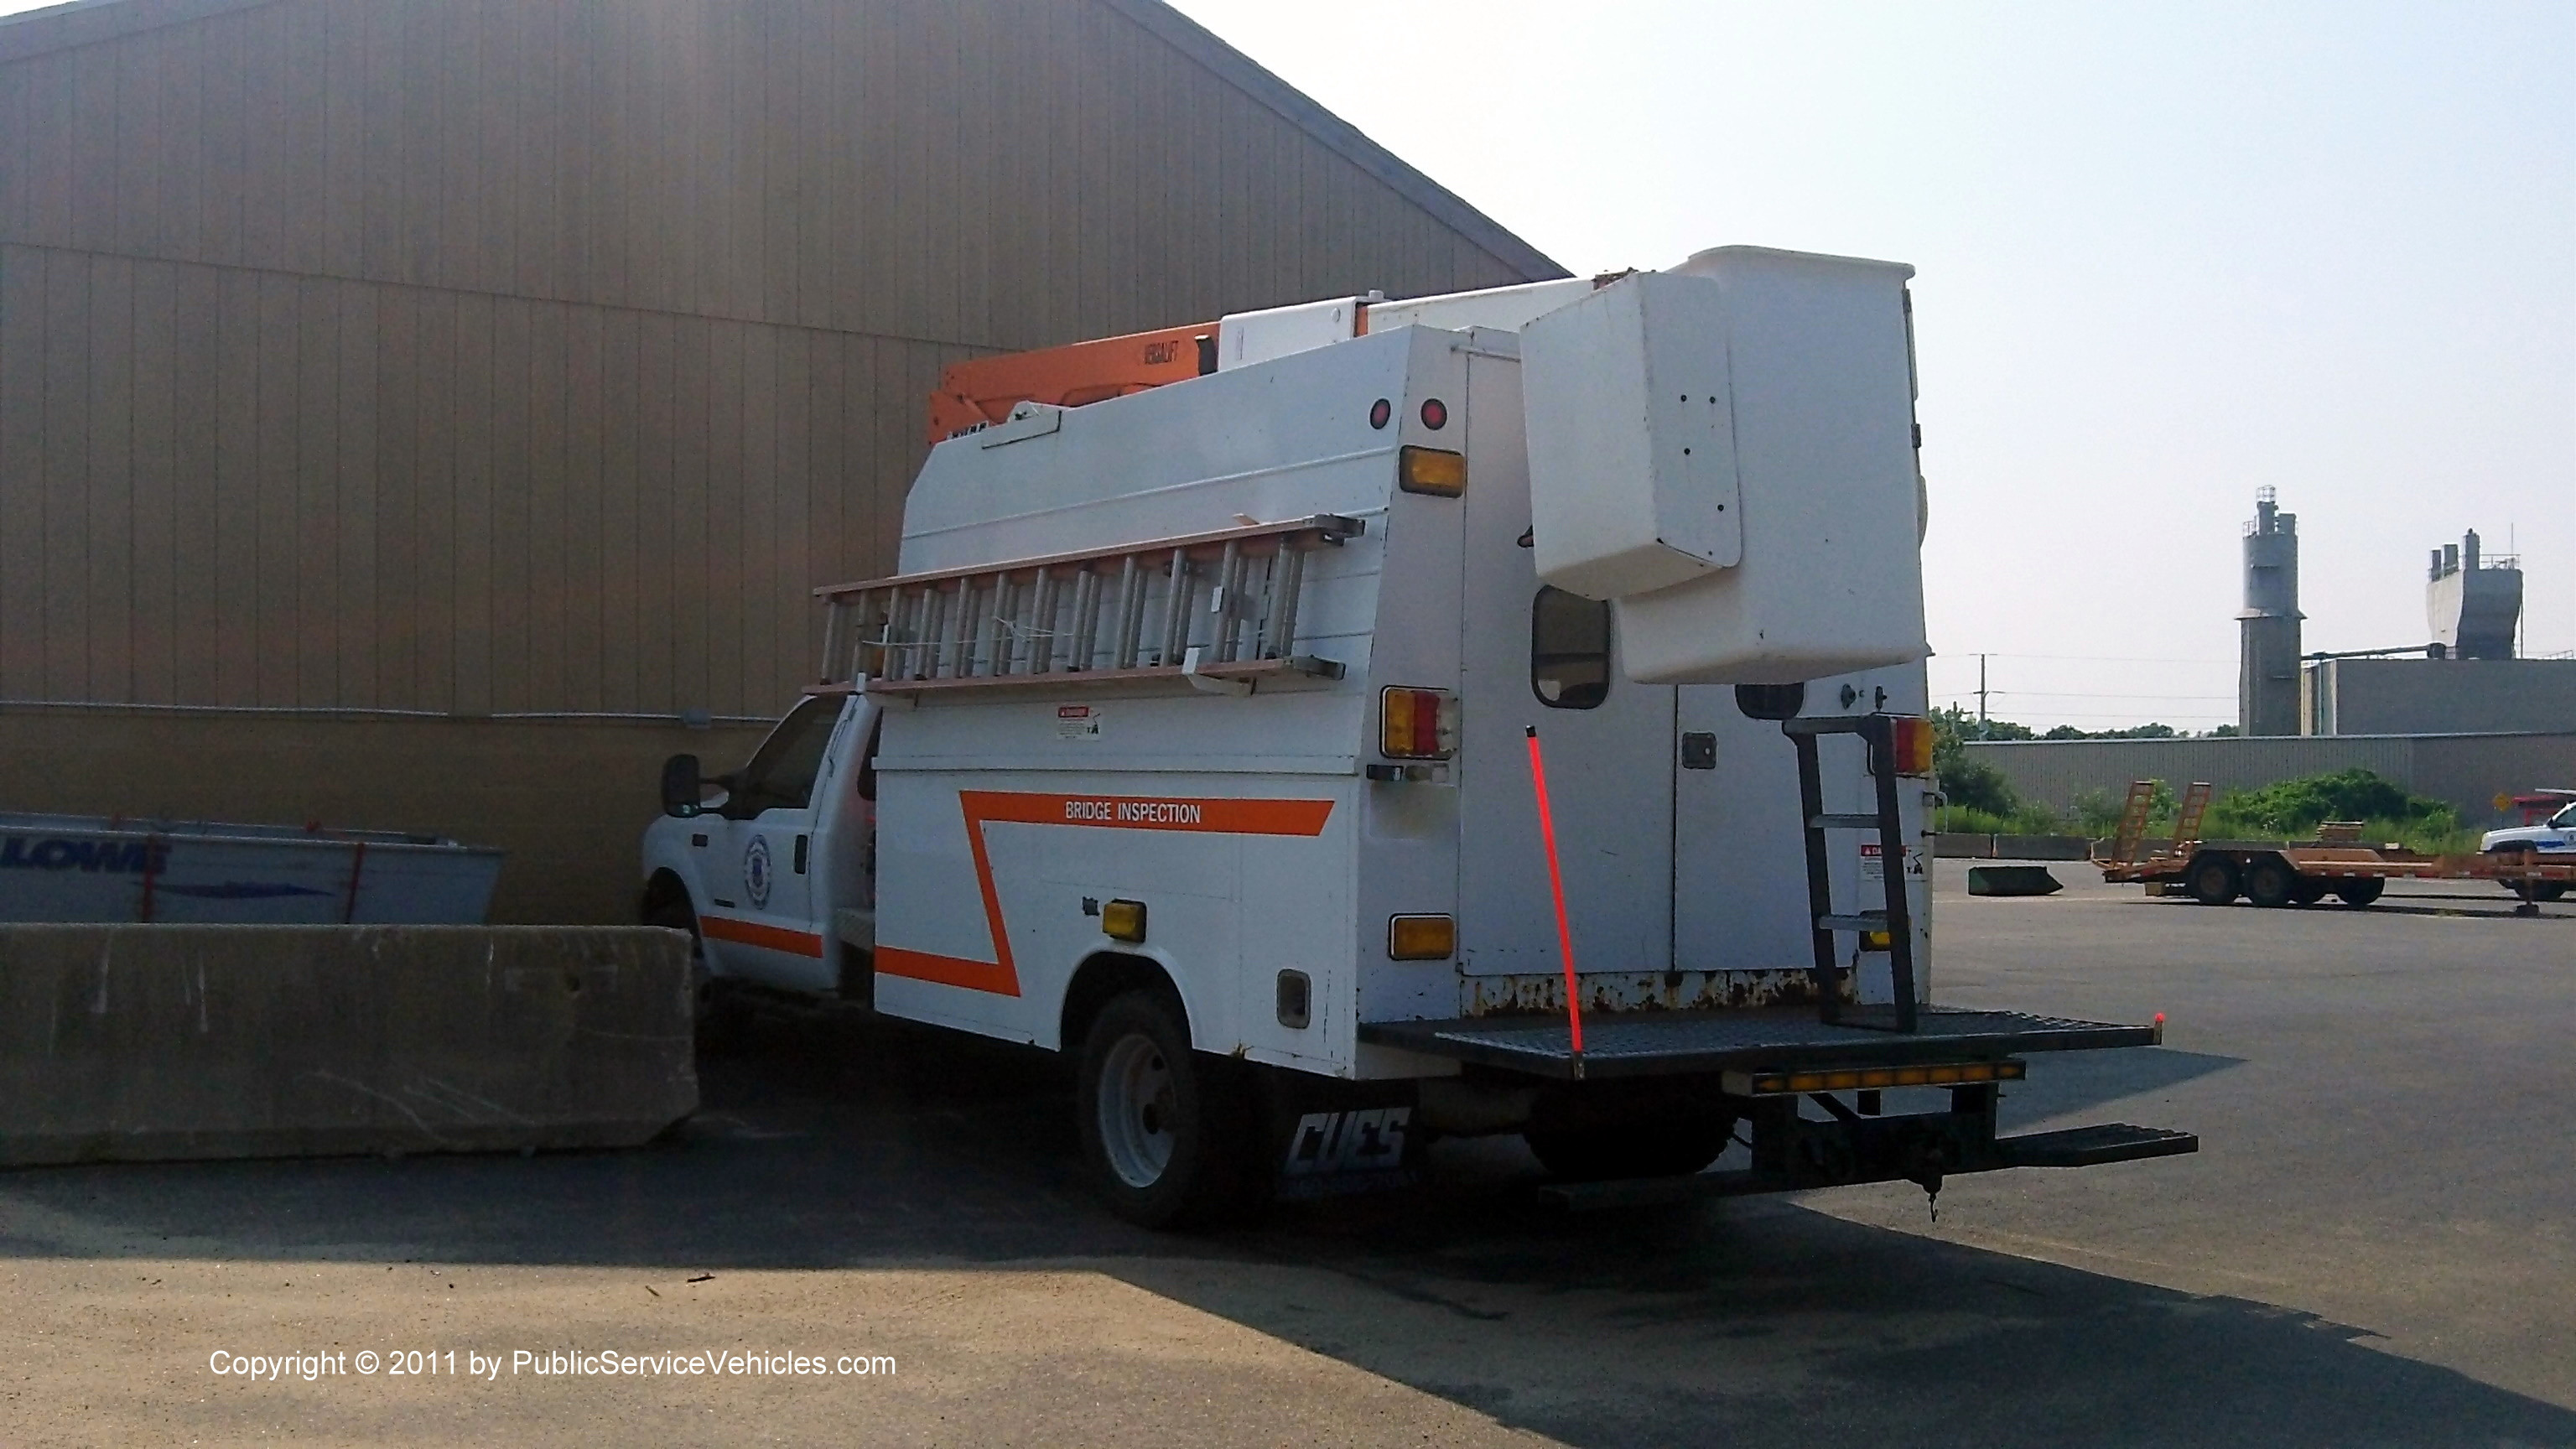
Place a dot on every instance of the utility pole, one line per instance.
(1981, 696)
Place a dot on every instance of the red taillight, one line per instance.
(1417, 724)
(1912, 739)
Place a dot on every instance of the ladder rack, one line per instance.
(1216, 611)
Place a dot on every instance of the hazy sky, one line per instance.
(2167, 253)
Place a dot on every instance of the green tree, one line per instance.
(1965, 783)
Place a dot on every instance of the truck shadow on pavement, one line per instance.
(834, 1144)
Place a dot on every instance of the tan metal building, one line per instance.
(413, 411)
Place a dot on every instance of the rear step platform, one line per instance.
(2093, 1146)
(1673, 1043)
(2074, 1147)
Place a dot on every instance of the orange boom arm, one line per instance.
(981, 392)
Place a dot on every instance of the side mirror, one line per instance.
(681, 786)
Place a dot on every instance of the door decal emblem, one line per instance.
(755, 872)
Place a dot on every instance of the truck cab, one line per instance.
(1490, 713)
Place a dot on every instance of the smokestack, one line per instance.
(2267, 680)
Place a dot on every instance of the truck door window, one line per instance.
(781, 773)
(1569, 649)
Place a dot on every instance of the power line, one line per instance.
(2091, 658)
(2075, 694)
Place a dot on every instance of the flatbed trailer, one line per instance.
(2302, 873)
(2276, 873)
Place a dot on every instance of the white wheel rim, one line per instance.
(1136, 1110)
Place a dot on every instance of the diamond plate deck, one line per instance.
(1666, 1044)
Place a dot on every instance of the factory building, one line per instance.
(428, 415)
(2467, 680)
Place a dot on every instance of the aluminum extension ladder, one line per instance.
(1220, 611)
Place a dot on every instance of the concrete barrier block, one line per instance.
(1961, 845)
(2012, 880)
(139, 1043)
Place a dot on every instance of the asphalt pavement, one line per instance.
(2375, 1245)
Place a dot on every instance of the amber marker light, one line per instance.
(1421, 938)
(1435, 471)
(1123, 921)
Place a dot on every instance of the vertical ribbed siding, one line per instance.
(541, 355)
(989, 173)
(250, 488)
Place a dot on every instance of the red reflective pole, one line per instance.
(1556, 883)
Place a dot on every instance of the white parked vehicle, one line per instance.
(1197, 738)
(2550, 841)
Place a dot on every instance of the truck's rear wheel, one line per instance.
(1165, 1127)
(2271, 882)
(2212, 880)
(2360, 890)
(1639, 1149)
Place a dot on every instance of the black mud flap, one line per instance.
(1326, 1138)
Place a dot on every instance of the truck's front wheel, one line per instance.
(1163, 1126)
(716, 1017)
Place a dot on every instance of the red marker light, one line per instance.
(1379, 412)
(1435, 414)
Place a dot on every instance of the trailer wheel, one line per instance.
(2309, 891)
(2212, 880)
(2359, 891)
(1639, 1149)
(2271, 882)
(1166, 1129)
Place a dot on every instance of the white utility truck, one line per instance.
(1196, 740)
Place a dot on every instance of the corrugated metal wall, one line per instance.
(2466, 770)
(540, 354)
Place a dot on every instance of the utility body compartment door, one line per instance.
(1608, 742)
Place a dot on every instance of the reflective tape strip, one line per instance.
(753, 933)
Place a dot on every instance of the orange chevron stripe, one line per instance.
(1001, 975)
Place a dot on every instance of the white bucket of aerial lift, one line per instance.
(1727, 451)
